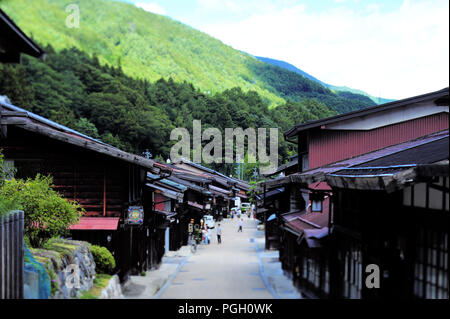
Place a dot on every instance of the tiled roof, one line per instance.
(299, 221)
(434, 145)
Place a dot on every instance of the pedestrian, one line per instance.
(208, 236)
(204, 235)
(219, 234)
(240, 225)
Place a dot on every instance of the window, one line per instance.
(431, 265)
(352, 272)
(433, 195)
(316, 205)
(305, 162)
(326, 286)
(420, 191)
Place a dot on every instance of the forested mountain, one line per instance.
(74, 89)
(289, 67)
(338, 89)
(128, 77)
(151, 46)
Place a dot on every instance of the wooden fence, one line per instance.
(11, 255)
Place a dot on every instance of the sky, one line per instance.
(391, 48)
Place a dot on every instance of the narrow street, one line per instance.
(228, 270)
(238, 268)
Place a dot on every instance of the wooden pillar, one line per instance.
(295, 199)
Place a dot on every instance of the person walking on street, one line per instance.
(219, 234)
(204, 238)
(208, 240)
(240, 225)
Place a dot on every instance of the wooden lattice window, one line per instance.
(431, 265)
(352, 280)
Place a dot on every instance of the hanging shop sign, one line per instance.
(135, 215)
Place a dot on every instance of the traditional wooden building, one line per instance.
(304, 253)
(286, 169)
(327, 145)
(194, 195)
(224, 189)
(392, 211)
(343, 136)
(106, 181)
(167, 198)
(275, 202)
(13, 42)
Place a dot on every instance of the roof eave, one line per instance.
(439, 96)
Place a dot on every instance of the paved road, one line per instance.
(228, 270)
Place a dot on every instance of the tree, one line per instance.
(47, 213)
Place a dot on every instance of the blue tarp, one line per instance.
(36, 278)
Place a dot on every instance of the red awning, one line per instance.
(96, 223)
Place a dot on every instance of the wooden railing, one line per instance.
(11, 255)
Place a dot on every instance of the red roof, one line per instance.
(300, 221)
(96, 223)
(320, 186)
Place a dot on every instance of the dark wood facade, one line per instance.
(409, 242)
(105, 186)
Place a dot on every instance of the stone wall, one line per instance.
(60, 258)
(113, 290)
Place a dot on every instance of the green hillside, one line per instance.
(151, 46)
(378, 100)
(73, 89)
(146, 45)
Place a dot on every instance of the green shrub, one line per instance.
(100, 283)
(104, 260)
(6, 171)
(7, 205)
(47, 213)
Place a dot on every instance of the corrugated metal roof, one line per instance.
(275, 192)
(318, 174)
(220, 190)
(189, 185)
(166, 192)
(431, 152)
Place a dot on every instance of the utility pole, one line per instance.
(255, 173)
